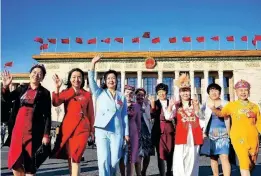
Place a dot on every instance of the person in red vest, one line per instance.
(189, 135)
(78, 121)
(30, 122)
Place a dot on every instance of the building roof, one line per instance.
(145, 54)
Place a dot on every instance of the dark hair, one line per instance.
(213, 86)
(69, 84)
(104, 86)
(140, 89)
(41, 66)
(180, 104)
(162, 86)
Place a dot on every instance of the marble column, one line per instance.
(160, 77)
(191, 77)
(221, 83)
(139, 81)
(205, 94)
(123, 75)
(176, 89)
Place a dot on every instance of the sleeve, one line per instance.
(96, 91)
(125, 120)
(10, 96)
(138, 118)
(90, 112)
(258, 119)
(48, 115)
(170, 115)
(59, 98)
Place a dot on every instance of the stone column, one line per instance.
(139, 81)
(176, 89)
(221, 83)
(206, 75)
(122, 81)
(160, 77)
(191, 76)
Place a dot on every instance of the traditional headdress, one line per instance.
(183, 81)
(128, 87)
(242, 84)
(162, 86)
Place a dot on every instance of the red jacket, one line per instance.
(183, 126)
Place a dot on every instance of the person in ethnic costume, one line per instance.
(162, 130)
(146, 148)
(30, 121)
(77, 124)
(246, 123)
(217, 130)
(111, 120)
(189, 135)
(134, 116)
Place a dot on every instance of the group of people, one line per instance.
(130, 127)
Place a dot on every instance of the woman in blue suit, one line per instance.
(111, 120)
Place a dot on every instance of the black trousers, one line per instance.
(161, 163)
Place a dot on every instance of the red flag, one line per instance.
(38, 39)
(155, 40)
(230, 38)
(8, 64)
(53, 41)
(200, 39)
(136, 40)
(186, 39)
(215, 38)
(78, 40)
(107, 40)
(92, 41)
(146, 35)
(244, 38)
(254, 42)
(65, 41)
(173, 40)
(117, 39)
(257, 38)
(44, 46)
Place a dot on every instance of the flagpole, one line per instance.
(204, 45)
(218, 43)
(191, 45)
(110, 47)
(123, 44)
(234, 43)
(96, 44)
(55, 44)
(247, 43)
(69, 48)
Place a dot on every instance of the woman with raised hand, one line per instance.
(111, 120)
(134, 116)
(246, 124)
(77, 124)
(30, 120)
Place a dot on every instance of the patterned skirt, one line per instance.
(146, 148)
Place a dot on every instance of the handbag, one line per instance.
(41, 155)
(205, 147)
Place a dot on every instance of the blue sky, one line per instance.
(23, 20)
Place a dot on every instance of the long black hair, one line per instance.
(104, 86)
(69, 84)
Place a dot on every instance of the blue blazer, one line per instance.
(107, 107)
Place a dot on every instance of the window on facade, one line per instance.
(197, 82)
(132, 82)
(119, 83)
(226, 82)
(227, 97)
(199, 98)
(169, 83)
(149, 84)
(211, 80)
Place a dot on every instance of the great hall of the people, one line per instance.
(147, 69)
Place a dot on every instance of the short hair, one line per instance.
(69, 84)
(140, 89)
(213, 86)
(41, 66)
(104, 86)
(162, 86)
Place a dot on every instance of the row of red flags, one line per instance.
(200, 39)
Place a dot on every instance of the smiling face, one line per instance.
(128, 94)
(185, 94)
(214, 94)
(76, 79)
(162, 94)
(111, 81)
(140, 97)
(242, 93)
(36, 76)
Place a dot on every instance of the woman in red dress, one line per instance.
(30, 120)
(77, 124)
